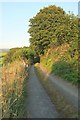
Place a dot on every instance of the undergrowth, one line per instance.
(63, 61)
(66, 71)
(14, 80)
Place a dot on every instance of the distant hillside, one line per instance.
(4, 50)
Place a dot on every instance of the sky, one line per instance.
(14, 20)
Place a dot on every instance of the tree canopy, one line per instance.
(52, 26)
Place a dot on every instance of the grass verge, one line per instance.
(22, 107)
(65, 109)
(14, 93)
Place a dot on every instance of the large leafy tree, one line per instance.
(52, 26)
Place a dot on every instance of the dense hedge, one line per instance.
(24, 53)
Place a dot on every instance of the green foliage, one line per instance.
(52, 26)
(25, 53)
(2, 55)
(17, 53)
(9, 56)
(66, 71)
(64, 64)
(22, 53)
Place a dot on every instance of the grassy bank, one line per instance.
(65, 109)
(14, 93)
(63, 61)
(2, 54)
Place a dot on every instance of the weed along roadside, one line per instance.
(63, 106)
(14, 90)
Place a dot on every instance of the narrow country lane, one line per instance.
(39, 104)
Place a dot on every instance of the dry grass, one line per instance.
(13, 76)
(53, 55)
(65, 109)
(57, 52)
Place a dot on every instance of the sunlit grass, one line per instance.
(2, 54)
(13, 78)
(59, 60)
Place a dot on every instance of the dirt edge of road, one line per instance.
(62, 105)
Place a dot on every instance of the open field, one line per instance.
(2, 53)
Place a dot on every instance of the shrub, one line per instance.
(65, 70)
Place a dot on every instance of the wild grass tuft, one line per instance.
(14, 79)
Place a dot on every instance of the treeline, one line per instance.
(53, 27)
(26, 53)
